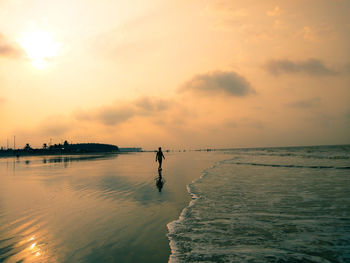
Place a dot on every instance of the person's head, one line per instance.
(160, 148)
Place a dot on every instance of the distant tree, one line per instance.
(27, 147)
(44, 146)
(65, 144)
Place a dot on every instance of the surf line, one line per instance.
(194, 198)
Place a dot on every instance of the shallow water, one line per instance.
(268, 205)
(92, 208)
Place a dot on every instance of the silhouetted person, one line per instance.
(159, 157)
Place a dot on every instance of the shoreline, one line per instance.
(194, 198)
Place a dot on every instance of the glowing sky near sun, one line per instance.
(182, 74)
(40, 47)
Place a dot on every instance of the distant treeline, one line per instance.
(64, 148)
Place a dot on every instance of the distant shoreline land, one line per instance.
(66, 148)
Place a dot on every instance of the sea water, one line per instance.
(268, 205)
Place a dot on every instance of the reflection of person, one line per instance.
(159, 181)
(159, 157)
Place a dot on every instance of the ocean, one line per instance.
(239, 205)
(268, 205)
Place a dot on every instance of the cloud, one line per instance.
(243, 123)
(54, 126)
(114, 115)
(305, 104)
(230, 124)
(347, 68)
(311, 67)
(218, 83)
(119, 113)
(275, 12)
(8, 49)
(251, 123)
(152, 104)
(226, 10)
(111, 115)
(316, 33)
(347, 115)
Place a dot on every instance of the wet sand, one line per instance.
(93, 208)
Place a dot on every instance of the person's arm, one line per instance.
(156, 157)
(163, 155)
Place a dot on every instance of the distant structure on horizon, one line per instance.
(86, 147)
(134, 149)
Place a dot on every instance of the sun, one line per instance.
(40, 47)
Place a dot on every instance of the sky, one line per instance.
(178, 74)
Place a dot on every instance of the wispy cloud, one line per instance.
(347, 68)
(151, 104)
(316, 33)
(8, 49)
(275, 12)
(311, 67)
(55, 126)
(305, 104)
(114, 115)
(119, 113)
(226, 9)
(244, 123)
(347, 115)
(218, 83)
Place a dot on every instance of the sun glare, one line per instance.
(40, 47)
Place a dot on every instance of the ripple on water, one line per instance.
(24, 241)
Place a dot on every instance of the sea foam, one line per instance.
(284, 209)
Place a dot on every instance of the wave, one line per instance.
(304, 156)
(175, 249)
(294, 166)
(340, 152)
(241, 214)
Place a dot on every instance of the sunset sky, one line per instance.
(177, 74)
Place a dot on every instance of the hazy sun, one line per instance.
(40, 47)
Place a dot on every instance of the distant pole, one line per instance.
(14, 142)
(50, 141)
(7, 143)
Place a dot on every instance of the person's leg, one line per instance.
(160, 163)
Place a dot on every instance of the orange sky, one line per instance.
(181, 74)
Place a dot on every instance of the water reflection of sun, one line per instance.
(40, 47)
(34, 248)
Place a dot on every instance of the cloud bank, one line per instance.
(218, 83)
(311, 67)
